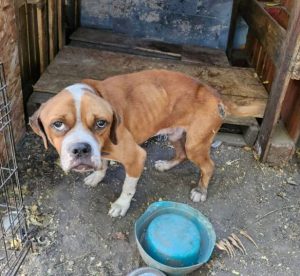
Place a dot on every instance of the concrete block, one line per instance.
(282, 147)
(250, 134)
(231, 139)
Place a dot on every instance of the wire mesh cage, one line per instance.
(14, 243)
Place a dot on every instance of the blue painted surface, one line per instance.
(240, 34)
(204, 227)
(194, 22)
(173, 240)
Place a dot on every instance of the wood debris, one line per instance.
(233, 242)
(15, 244)
(245, 234)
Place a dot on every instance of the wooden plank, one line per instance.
(73, 64)
(288, 4)
(269, 77)
(24, 55)
(40, 97)
(264, 27)
(195, 54)
(296, 65)
(290, 112)
(280, 15)
(280, 84)
(24, 48)
(104, 39)
(126, 50)
(107, 40)
(242, 121)
(33, 42)
(52, 27)
(60, 24)
(249, 47)
(42, 35)
(76, 13)
(73, 61)
(263, 67)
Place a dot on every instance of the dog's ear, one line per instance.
(37, 126)
(95, 84)
(113, 129)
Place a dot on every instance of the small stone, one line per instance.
(246, 148)
(119, 236)
(292, 182)
(216, 144)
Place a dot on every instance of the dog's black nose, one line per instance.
(80, 149)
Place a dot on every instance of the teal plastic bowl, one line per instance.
(174, 237)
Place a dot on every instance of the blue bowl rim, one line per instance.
(156, 208)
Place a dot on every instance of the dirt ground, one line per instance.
(75, 236)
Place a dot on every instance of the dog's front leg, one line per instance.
(96, 177)
(134, 165)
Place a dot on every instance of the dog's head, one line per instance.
(77, 122)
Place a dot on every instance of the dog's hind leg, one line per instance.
(206, 166)
(180, 155)
(198, 142)
(96, 177)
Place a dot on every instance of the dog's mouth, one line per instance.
(83, 168)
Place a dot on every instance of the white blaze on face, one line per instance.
(79, 134)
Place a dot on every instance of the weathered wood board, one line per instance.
(105, 39)
(72, 64)
(265, 28)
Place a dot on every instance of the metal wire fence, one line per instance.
(14, 242)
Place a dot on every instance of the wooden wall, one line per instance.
(273, 49)
(9, 56)
(43, 27)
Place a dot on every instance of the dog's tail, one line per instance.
(254, 109)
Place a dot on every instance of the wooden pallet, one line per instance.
(108, 40)
(72, 64)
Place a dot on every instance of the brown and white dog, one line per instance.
(95, 121)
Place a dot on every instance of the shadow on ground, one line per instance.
(79, 237)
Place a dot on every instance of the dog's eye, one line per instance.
(58, 125)
(101, 124)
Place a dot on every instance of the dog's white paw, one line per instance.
(197, 195)
(93, 179)
(119, 208)
(162, 165)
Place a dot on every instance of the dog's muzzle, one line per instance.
(80, 151)
(81, 159)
